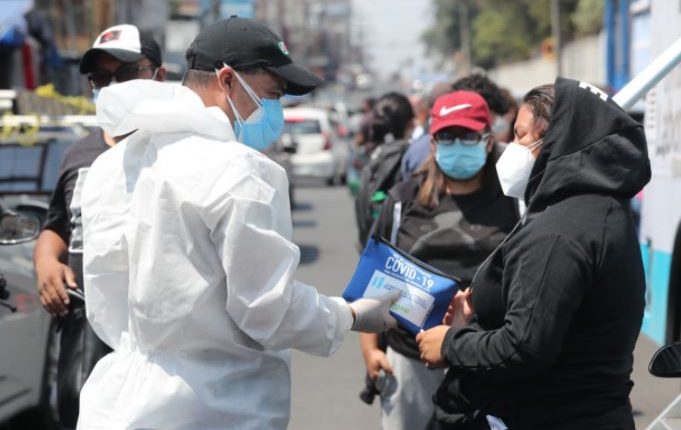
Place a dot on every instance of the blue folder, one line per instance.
(426, 292)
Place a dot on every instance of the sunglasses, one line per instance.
(102, 78)
(467, 138)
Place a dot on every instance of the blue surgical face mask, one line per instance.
(459, 161)
(264, 126)
(95, 95)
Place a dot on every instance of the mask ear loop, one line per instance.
(247, 87)
(237, 115)
(538, 174)
(236, 112)
(535, 144)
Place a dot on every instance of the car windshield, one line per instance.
(302, 126)
(32, 169)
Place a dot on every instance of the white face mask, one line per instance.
(514, 168)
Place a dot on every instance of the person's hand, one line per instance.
(372, 315)
(52, 277)
(375, 361)
(430, 345)
(460, 310)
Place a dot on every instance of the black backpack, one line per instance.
(378, 176)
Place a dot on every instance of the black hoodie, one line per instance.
(558, 306)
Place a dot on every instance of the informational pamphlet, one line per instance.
(425, 292)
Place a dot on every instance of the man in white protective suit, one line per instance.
(188, 258)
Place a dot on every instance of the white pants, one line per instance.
(407, 395)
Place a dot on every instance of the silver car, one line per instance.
(30, 341)
(29, 350)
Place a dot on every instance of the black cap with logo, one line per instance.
(244, 44)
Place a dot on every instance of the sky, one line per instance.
(392, 31)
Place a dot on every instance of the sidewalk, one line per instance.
(650, 394)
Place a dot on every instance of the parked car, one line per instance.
(30, 156)
(30, 343)
(320, 152)
(281, 152)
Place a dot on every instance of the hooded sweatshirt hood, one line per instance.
(591, 146)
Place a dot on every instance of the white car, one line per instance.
(320, 153)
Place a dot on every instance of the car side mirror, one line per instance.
(666, 362)
(18, 228)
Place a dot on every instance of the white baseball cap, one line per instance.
(123, 42)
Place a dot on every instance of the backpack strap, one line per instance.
(402, 194)
(397, 219)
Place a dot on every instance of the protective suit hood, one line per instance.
(591, 146)
(147, 105)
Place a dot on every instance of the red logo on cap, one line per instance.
(109, 36)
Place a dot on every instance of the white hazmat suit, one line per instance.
(188, 265)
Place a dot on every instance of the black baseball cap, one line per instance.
(244, 44)
(125, 43)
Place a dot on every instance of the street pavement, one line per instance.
(325, 390)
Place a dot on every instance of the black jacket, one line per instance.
(558, 307)
(454, 237)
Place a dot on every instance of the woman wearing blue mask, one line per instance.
(451, 215)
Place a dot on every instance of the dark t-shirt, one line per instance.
(455, 237)
(63, 216)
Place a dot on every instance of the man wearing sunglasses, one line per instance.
(120, 53)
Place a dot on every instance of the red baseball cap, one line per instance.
(460, 109)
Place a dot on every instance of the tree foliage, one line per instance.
(500, 31)
(444, 36)
(588, 17)
(503, 30)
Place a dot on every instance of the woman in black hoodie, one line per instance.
(558, 306)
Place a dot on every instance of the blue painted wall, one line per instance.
(657, 266)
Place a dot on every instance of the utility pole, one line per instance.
(555, 28)
(281, 15)
(465, 35)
